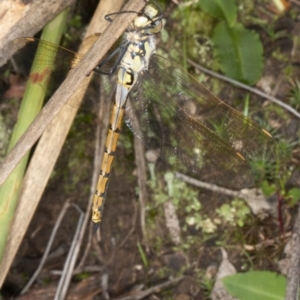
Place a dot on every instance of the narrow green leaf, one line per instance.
(143, 255)
(239, 51)
(246, 106)
(220, 9)
(259, 285)
(30, 107)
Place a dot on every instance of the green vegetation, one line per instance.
(256, 285)
(30, 107)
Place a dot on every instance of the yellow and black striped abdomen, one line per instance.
(110, 148)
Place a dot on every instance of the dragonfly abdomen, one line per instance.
(110, 148)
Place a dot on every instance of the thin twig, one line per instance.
(142, 179)
(292, 290)
(48, 248)
(267, 242)
(85, 269)
(141, 169)
(98, 252)
(251, 196)
(104, 285)
(69, 265)
(248, 88)
(207, 186)
(71, 84)
(80, 266)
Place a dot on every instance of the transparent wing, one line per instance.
(52, 60)
(53, 64)
(193, 130)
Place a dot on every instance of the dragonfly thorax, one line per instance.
(136, 37)
(140, 38)
(140, 41)
(142, 48)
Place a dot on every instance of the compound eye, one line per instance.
(156, 26)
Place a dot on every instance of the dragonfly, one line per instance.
(164, 106)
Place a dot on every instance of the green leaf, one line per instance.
(267, 188)
(294, 195)
(259, 285)
(220, 9)
(239, 51)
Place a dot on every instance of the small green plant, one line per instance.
(277, 175)
(73, 33)
(182, 196)
(256, 285)
(238, 50)
(235, 213)
(295, 94)
(274, 34)
(186, 202)
(189, 242)
(207, 285)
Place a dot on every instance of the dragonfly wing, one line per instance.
(52, 66)
(242, 134)
(52, 60)
(192, 129)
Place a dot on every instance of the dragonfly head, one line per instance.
(150, 20)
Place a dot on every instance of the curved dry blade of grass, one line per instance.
(30, 107)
